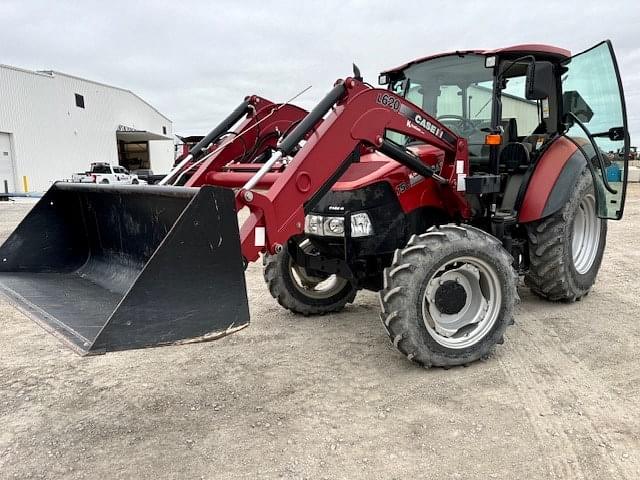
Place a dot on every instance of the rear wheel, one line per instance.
(449, 296)
(566, 248)
(301, 292)
(104, 181)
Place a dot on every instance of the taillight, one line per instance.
(93, 178)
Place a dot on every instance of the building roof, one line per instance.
(53, 73)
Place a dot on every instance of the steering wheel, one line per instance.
(463, 125)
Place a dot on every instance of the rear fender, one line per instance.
(552, 180)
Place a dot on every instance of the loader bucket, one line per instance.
(121, 267)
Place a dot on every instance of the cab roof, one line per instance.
(547, 51)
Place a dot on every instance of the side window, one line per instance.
(593, 93)
(449, 101)
(480, 96)
(515, 105)
(396, 87)
(414, 94)
(100, 169)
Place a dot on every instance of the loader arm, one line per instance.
(263, 124)
(358, 114)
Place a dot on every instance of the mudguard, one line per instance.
(550, 184)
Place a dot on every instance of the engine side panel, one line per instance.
(413, 191)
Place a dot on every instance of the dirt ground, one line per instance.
(331, 398)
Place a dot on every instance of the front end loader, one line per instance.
(469, 169)
(113, 267)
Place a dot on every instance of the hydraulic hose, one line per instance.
(400, 154)
(313, 117)
(299, 132)
(224, 126)
(215, 134)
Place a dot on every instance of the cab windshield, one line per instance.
(456, 90)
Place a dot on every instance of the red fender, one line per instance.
(551, 181)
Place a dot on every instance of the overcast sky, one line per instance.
(195, 61)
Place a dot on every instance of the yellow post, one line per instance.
(25, 184)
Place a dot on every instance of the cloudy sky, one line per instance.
(195, 61)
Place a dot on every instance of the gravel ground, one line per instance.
(330, 397)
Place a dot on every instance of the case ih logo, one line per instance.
(414, 119)
(428, 126)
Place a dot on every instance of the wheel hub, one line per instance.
(461, 302)
(450, 297)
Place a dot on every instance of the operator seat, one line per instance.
(510, 127)
(509, 134)
(515, 158)
(479, 153)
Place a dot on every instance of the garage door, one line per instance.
(7, 173)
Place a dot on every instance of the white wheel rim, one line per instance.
(481, 308)
(315, 287)
(586, 235)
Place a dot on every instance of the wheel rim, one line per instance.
(586, 235)
(315, 287)
(478, 310)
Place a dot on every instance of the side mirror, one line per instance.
(574, 103)
(540, 80)
(616, 134)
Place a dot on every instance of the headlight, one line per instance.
(361, 225)
(334, 226)
(313, 224)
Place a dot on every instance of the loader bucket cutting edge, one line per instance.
(110, 268)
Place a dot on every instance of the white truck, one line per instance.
(106, 173)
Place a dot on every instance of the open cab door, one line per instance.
(595, 114)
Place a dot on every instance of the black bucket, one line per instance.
(121, 267)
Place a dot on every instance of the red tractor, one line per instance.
(470, 169)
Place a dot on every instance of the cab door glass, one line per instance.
(526, 113)
(592, 96)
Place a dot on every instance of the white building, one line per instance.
(53, 125)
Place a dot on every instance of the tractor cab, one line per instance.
(512, 104)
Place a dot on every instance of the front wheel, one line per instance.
(449, 296)
(301, 292)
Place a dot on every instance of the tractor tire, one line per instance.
(565, 249)
(301, 293)
(449, 296)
